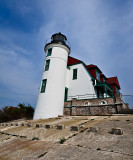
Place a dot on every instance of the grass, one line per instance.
(35, 138)
(62, 140)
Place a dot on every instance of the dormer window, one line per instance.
(104, 80)
(97, 75)
(117, 90)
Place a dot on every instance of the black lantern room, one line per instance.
(60, 39)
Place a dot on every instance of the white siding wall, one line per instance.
(82, 85)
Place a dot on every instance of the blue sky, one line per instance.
(100, 33)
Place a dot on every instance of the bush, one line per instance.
(9, 113)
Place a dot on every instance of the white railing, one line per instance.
(87, 96)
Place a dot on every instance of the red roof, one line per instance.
(102, 75)
(92, 69)
(91, 66)
(113, 80)
(72, 60)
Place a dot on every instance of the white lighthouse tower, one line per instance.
(50, 101)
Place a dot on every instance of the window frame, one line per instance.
(86, 103)
(117, 90)
(49, 52)
(66, 94)
(47, 64)
(75, 75)
(43, 87)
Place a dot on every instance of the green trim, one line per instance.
(67, 106)
(68, 67)
(98, 69)
(68, 101)
(117, 94)
(105, 83)
(43, 88)
(75, 73)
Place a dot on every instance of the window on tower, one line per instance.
(47, 65)
(44, 81)
(49, 52)
(74, 73)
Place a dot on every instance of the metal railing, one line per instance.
(49, 41)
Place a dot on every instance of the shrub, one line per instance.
(126, 111)
(35, 138)
(9, 113)
(62, 140)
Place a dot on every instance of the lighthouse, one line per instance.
(50, 102)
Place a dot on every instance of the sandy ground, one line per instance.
(31, 143)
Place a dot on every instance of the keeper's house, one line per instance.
(89, 92)
(88, 81)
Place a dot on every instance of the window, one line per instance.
(74, 73)
(44, 81)
(66, 93)
(97, 75)
(49, 52)
(103, 102)
(117, 90)
(47, 65)
(104, 80)
(86, 103)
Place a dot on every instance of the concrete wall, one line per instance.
(94, 107)
(90, 110)
(90, 102)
